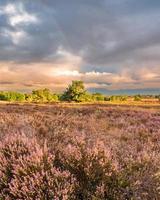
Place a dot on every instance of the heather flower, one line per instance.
(27, 172)
(94, 152)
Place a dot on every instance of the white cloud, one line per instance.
(22, 18)
(67, 73)
(61, 72)
(15, 36)
(17, 14)
(94, 73)
(9, 9)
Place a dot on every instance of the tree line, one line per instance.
(75, 92)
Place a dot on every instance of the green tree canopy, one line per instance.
(157, 97)
(118, 98)
(75, 92)
(137, 97)
(98, 97)
(12, 96)
(43, 95)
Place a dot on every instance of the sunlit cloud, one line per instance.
(36, 76)
(68, 73)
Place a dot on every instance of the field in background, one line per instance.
(80, 151)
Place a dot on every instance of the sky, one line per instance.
(111, 45)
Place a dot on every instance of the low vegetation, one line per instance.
(79, 152)
(75, 92)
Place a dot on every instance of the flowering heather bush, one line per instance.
(27, 172)
(95, 152)
(90, 166)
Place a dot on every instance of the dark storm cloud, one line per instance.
(39, 39)
(121, 36)
(101, 32)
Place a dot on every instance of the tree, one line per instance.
(157, 97)
(29, 97)
(85, 97)
(137, 97)
(44, 95)
(12, 96)
(20, 97)
(75, 92)
(118, 98)
(3, 96)
(98, 97)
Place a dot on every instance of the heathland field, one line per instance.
(74, 151)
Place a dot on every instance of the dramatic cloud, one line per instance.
(110, 45)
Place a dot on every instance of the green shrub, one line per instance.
(98, 97)
(118, 98)
(137, 98)
(12, 96)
